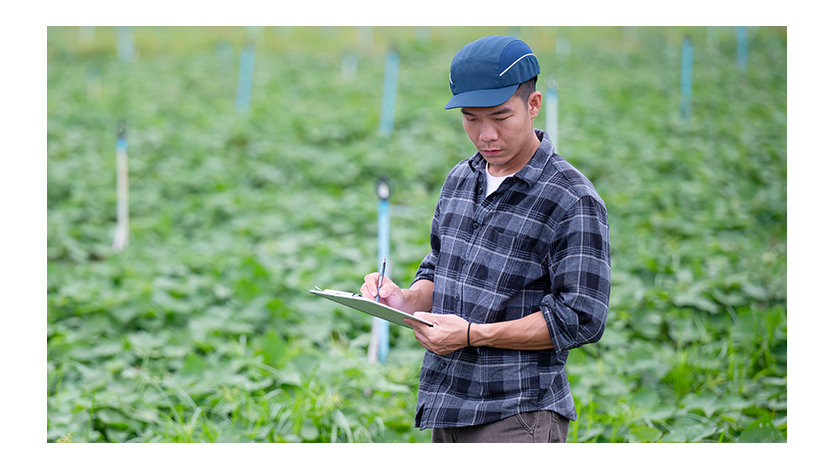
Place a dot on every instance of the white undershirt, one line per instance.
(493, 181)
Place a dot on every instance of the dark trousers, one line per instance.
(533, 426)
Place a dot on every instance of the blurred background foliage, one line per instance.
(202, 328)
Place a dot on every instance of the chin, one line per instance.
(496, 161)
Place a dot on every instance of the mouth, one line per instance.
(490, 152)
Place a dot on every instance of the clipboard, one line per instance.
(368, 306)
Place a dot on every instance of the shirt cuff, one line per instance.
(563, 324)
(424, 275)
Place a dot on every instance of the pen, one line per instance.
(381, 274)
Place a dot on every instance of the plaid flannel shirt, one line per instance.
(539, 242)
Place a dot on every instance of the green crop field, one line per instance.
(202, 330)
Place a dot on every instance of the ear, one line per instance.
(534, 104)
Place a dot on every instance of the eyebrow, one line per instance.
(503, 110)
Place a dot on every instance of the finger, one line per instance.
(421, 338)
(426, 316)
(419, 332)
(387, 289)
(417, 327)
(371, 281)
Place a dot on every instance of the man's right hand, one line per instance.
(390, 294)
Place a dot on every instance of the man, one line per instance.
(519, 268)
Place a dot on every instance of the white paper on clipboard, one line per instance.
(357, 302)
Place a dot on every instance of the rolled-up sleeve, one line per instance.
(579, 264)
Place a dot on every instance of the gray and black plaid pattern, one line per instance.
(539, 242)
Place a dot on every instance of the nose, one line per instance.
(488, 132)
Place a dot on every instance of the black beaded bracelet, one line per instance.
(467, 334)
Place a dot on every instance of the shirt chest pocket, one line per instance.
(506, 262)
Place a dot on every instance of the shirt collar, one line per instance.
(532, 169)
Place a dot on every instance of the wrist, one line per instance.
(411, 301)
(407, 301)
(478, 334)
(418, 297)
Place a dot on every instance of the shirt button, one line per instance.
(475, 225)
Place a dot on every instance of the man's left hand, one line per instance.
(447, 335)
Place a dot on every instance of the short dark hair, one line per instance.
(525, 89)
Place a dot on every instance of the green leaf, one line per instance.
(694, 297)
(309, 431)
(194, 365)
(709, 404)
(644, 434)
(755, 291)
(690, 428)
(275, 349)
(103, 350)
(342, 423)
(660, 413)
(761, 430)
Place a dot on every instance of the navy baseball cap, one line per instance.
(486, 72)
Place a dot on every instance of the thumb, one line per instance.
(424, 315)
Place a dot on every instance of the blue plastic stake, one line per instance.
(552, 113)
(225, 52)
(686, 79)
(349, 65)
(125, 43)
(120, 238)
(563, 47)
(741, 50)
(244, 77)
(379, 343)
(389, 94)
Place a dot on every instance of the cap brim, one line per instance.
(482, 98)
